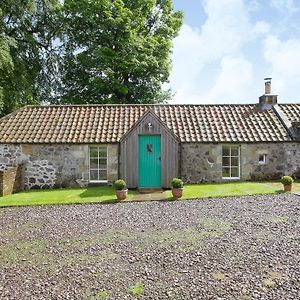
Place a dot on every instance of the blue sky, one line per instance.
(227, 47)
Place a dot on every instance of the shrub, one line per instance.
(287, 180)
(177, 183)
(120, 184)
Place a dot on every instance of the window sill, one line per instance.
(98, 181)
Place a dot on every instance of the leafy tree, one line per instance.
(116, 51)
(25, 49)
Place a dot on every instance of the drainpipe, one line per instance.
(119, 159)
(180, 159)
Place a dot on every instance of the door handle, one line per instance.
(159, 158)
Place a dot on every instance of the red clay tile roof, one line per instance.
(108, 123)
(292, 111)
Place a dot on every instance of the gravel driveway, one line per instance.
(231, 248)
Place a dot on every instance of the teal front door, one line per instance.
(149, 161)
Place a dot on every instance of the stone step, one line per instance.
(150, 191)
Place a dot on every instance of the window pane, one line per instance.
(93, 175)
(94, 152)
(234, 151)
(102, 175)
(103, 163)
(98, 163)
(102, 152)
(225, 151)
(235, 161)
(226, 172)
(94, 163)
(234, 172)
(262, 158)
(226, 161)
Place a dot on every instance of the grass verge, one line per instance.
(102, 194)
(204, 190)
(106, 194)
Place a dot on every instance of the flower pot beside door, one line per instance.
(177, 188)
(121, 189)
(287, 182)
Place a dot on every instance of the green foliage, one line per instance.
(85, 51)
(137, 290)
(25, 47)
(116, 51)
(287, 180)
(102, 295)
(177, 183)
(120, 184)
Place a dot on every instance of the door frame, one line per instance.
(138, 160)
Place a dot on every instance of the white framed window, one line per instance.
(231, 162)
(262, 159)
(98, 163)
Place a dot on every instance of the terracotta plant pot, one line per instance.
(177, 192)
(121, 194)
(287, 188)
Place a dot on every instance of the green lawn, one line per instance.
(106, 194)
(103, 194)
(232, 189)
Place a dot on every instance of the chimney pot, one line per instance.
(268, 82)
(267, 100)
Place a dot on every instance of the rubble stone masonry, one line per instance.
(203, 162)
(60, 165)
(54, 165)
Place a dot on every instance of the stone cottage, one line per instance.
(148, 145)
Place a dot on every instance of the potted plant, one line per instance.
(287, 182)
(121, 189)
(177, 188)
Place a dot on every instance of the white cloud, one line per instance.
(225, 32)
(227, 58)
(187, 58)
(261, 28)
(234, 80)
(283, 56)
(285, 5)
(284, 60)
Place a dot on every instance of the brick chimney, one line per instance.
(267, 100)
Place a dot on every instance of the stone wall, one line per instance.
(203, 162)
(11, 155)
(11, 180)
(48, 165)
(282, 159)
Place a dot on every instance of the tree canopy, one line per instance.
(85, 51)
(117, 51)
(24, 52)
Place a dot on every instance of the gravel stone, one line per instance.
(225, 248)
